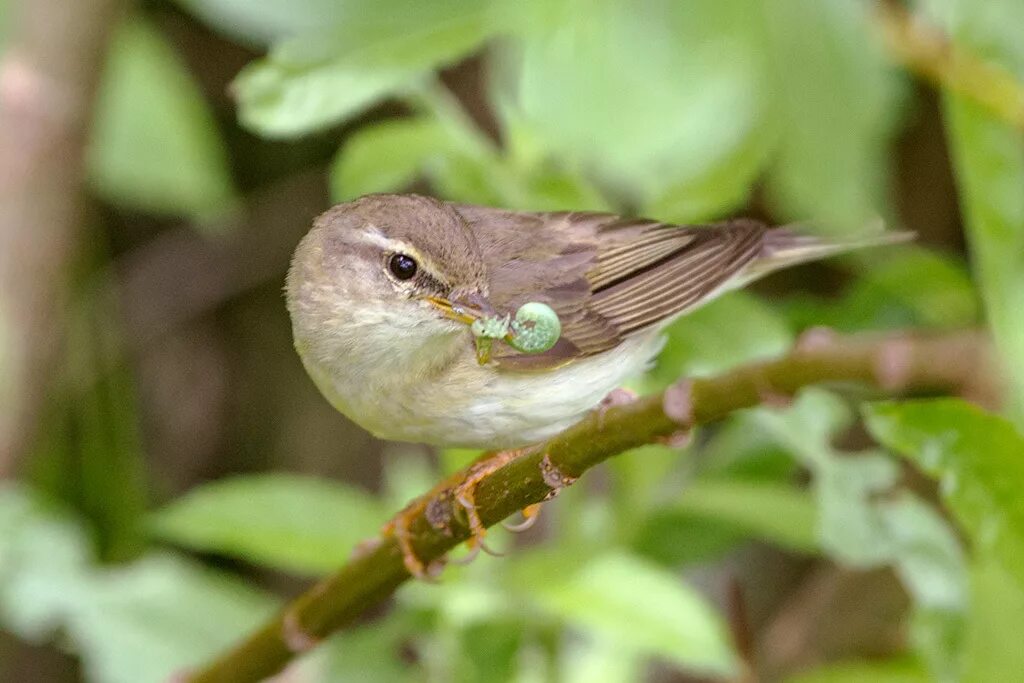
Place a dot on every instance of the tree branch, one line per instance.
(48, 79)
(900, 364)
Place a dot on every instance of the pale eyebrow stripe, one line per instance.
(375, 237)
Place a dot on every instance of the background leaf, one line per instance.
(155, 145)
(737, 328)
(690, 113)
(44, 558)
(988, 156)
(385, 157)
(645, 607)
(774, 512)
(864, 523)
(261, 22)
(306, 84)
(977, 459)
(155, 618)
(997, 606)
(295, 523)
(826, 75)
(909, 287)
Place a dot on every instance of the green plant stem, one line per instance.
(896, 364)
(927, 52)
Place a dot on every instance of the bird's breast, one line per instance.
(468, 405)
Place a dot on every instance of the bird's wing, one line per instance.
(605, 276)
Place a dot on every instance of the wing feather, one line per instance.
(607, 277)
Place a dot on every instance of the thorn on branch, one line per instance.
(296, 638)
(816, 338)
(893, 364)
(677, 403)
(365, 547)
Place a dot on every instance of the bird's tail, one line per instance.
(784, 247)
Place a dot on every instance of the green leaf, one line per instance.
(737, 328)
(856, 525)
(371, 652)
(5, 22)
(865, 523)
(385, 157)
(489, 651)
(988, 157)
(308, 83)
(407, 475)
(574, 81)
(776, 513)
(975, 456)
(532, 177)
(159, 616)
(454, 459)
(808, 426)
(911, 287)
(286, 521)
(261, 22)
(155, 145)
(988, 160)
(44, 565)
(935, 289)
(718, 189)
(677, 540)
(833, 105)
(643, 607)
(138, 623)
(992, 649)
(861, 672)
(740, 449)
(595, 658)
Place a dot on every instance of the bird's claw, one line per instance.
(399, 528)
(530, 513)
(464, 495)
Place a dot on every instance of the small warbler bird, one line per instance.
(383, 291)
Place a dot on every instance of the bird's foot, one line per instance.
(465, 496)
(399, 527)
(461, 489)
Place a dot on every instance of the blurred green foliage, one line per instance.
(154, 145)
(680, 111)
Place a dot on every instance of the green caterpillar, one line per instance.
(535, 329)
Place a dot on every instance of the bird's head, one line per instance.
(383, 277)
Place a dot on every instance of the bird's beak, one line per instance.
(466, 308)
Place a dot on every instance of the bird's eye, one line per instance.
(402, 266)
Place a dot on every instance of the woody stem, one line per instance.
(898, 364)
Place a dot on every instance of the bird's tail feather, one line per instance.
(784, 247)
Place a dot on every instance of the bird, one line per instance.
(377, 287)
(383, 290)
